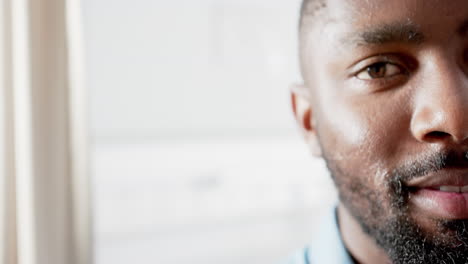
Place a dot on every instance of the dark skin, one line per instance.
(385, 83)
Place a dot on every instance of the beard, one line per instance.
(383, 212)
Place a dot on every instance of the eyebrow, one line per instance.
(397, 32)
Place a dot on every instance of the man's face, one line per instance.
(388, 96)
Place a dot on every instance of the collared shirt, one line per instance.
(326, 248)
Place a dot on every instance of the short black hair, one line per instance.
(309, 11)
(309, 8)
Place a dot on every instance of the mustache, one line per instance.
(399, 192)
(433, 162)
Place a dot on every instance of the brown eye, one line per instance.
(378, 70)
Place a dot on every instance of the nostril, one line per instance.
(436, 135)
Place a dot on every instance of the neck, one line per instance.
(360, 245)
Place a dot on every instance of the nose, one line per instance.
(441, 104)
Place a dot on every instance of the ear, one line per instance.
(302, 109)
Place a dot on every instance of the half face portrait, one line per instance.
(384, 101)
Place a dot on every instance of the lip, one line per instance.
(452, 177)
(428, 199)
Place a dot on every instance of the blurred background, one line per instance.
(195, 154)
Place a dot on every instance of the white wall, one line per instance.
(159, 69)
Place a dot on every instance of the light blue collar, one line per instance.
(327, 246)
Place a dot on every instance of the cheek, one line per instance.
(348, 129)
(363, 136)
(345, 131)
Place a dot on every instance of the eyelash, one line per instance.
(404, 66)
(367, 70)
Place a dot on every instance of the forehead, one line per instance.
(429, 15)
(343, 22)
(367, 10)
